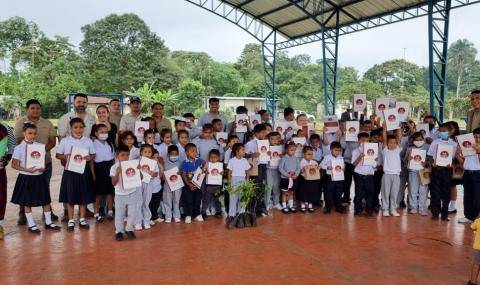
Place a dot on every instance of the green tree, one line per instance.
(190, 94)
(461, 58)
(224, 78)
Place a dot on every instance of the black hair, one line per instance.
(95, 129)
(366, 122)
(157, 103)
(207, 127)
(216, 120)
(455, 127)
(315, 137)
(415, 135)
(213, 100)
(363, 135)
(188, 146)
(261, 112)
(335, 145)
(307, 148)
(241, 110)
(445, 125)
(114, 100)
(164, 132)
(176, 122)
(231, 137)
(476, 131)
(430, 117)
(288, 111)
(290, 144)
(273, 134)
(172, 148)
(376, 132)
(182, 132)
(76, 120)
(32, 102)
(214, 152)
(124, 135)
(188, 115)
(148, 132)
(258, 128)
(29, 125)
(391, 137)
(82, 95)
(122, 148)
(102, 106)
(475, 91)
(268, 125)
(235, 148)
(144, 146)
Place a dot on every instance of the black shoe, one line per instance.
(22, 219)
(445, 219)
(99, 219)
(130, 235)
(357, 213)
(369, 215)
(118, 236)
(53, 216)
(435, 218)
(311, 210)
(84, 225)
(241, 221)
(70, 227)
(89, 214)
(293, 210)
(340, 210)
(403, 205)
(53, 227)
(303, 210)
(227, 222)
(34, 230)
(471, 283)
(232, 222)
(218, 214)
(285, 211)
(327, 211)
(453, 212)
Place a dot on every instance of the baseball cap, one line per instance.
(135, 99)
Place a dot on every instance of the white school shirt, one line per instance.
(326, 162)
(317, 153)
(155, 184)
(432, 151)
(305, 162)
(181, 152)
(228, 154)
(103, 151)
(330, 139)
(472, 163)
(163, 150)
(119, 187)
(238, 167)
(251, 147)
(360, 168)
(134, 153)
(392, 163)
(66, 145)
(19, 153)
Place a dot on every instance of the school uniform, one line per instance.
(471, 182)
(204, 146)
(209, 197)
(126, 201)
(377, 179)
(31, 189)
(288, 164)
(226, 195)
(163, 150)
(76, 188)
(104, 159)
(403, 172)
(238, 168)
(171, 199)
(318, 156)
(307, 190)
(334, 189)
(417, 193)
(192, 199)
(391, 178)
(156, 198)
(441, 180)
(348, 147)
(144, 214)
(273, 185)
(134, 153)
(251, 147)
(364, 184)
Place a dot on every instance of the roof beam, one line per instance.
(243, 3)
(279, 8)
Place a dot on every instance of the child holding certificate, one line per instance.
(128, 139)
(392, 166)
(144, 214)
(76, 188)
(171, 197)
(191, 193)
(289, 169)
(31, 189)
(334, 189)
(417, 196)
(441, 174)
(309, 181)
(213, 184)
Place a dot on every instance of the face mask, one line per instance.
(431, 126)
(150, 143)
(443, 135)
(173, 158)
(418, 143)
(103, 137)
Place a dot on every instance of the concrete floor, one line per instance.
(301, 248)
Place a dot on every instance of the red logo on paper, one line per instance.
(381, 107)
(173, 178)
(78, 158)
(215, 171)
(352, 130)
(130, 172)
(392, 118)
(370, 152)
(275, 154)
(444, 154)
(145, 168)
(141, 130)
(289, 128)
(241, 122)
(338, 168)
(263, 149)
(279, 129)
(35, 155)
(467, 144)
(417, 158)
(359, 102)
(401, 110)
(312, 171)
(255, 122)
(221, 140)
(299, 145)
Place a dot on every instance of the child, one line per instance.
(376, 137)
(289, 168)
(349, 147)
(334, 189)
(149, 137)
(392, 166)
(183, 139)
(211, 192)
(231, 141)
(364, 178)
(273, 176)
(152, 125)
(217, 125)
(166, 136)
(127, 201)
(307, 190)
(476, 256)
(316, 144)
(191, 193)
(471, 180)
(76, 188)
(31, 188)
(156, 187)
(232, 127)
(129, 140)
(238, 168)
(104, 159)
(417, 196)
(180, 124)
(207, 142)
(441, 178)
(171, 199)
(193, 130)
(144, 214)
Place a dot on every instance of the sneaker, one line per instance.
(147, 226)
(303, 210)
(413, 211)
(177, 220)
(168, 221)
(131, 235)
(84, 225)
(199, 218)
(89, 214)
(53, 216)
(311, 210)
(424, 213)
(188, 220)
(110, 217)
(160, 220)
(402, 205)
(395, 213)
(138, 227)
(386, 214)
(285, 210)
(118, 236)
(293, 210)
(464, 221)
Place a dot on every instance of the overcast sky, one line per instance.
(184, 26)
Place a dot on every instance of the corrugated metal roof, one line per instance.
(297, 18)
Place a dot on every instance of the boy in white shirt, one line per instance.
(334, 189)
(392, 166)
(441, 175)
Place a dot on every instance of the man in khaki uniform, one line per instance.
(157, 113)
(46, 134)
(473, 116)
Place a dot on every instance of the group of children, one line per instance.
(301, 177)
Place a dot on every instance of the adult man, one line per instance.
(473, 116)
(115, 112)
(213, 105)
(46, 134)
(347, 115)
(157, 114)
(127, 123)
(80, 102)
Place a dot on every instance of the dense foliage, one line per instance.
(119, 53)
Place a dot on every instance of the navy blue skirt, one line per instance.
(103, 182)
(76, 188)
(31, 191)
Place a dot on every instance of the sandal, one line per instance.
(70, 226)
(84, 225)
(52, 227)
(34, 229)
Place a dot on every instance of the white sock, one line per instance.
(82, 220)
(290, 203)
(284, 204)
(30, 220)
(96, 215)
(303, 205)
(71, 221)
(1, 222)
(110, 213)
(48, 217)
(310, 205)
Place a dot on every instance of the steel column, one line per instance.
(269, 50)
(330, 63)
(438, 23)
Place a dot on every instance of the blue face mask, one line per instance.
(173, 158)
(443, 135)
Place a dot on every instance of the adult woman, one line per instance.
(7, 144)
(473, 116)
(103, 118)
